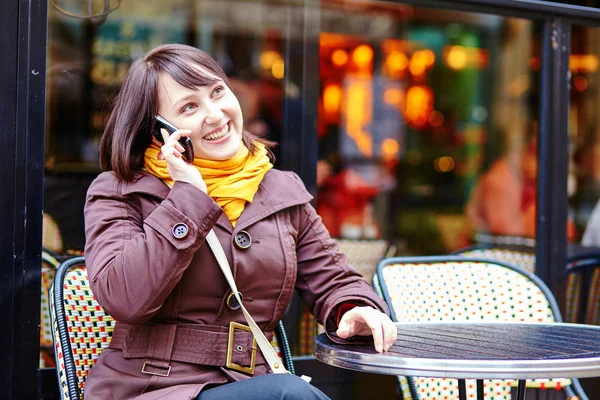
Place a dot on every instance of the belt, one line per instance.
(233, 347)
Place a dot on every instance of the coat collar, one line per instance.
(277, 191)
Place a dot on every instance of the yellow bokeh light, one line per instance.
(583, 63)
(396, 62)
(268, 58)
(390, 148)
(339, 58)
(444, 164)
(419, 104)
(428, 57)
(358, 103)
(332, 95)
(278, 69)
(362, 56)
(456, 57)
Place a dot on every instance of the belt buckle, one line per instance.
(156, 373)
(230, 364)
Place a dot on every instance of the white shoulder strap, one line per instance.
(263, 343)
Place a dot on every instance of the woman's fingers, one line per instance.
(165, 135)
(172, 145)
(390, 332)
(175, 136)
(367, 320)
(373, 320)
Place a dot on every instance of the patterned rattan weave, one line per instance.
(454, 288)
(50, 263)
(523, 259)
(82, 329)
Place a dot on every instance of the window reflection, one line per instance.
(415, 114)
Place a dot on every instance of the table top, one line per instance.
(493, 350)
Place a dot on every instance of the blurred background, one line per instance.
(425, 120)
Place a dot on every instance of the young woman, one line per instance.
(147, 218)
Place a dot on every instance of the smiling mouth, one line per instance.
(217, 133)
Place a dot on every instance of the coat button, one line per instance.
(180, 230)
(242, 240)
(232, 302)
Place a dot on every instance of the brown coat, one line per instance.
(169, 295)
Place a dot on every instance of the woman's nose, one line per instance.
(214, 114)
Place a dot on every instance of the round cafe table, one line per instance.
(476, 350)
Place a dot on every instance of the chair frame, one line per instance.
(67, 351)
(576, 386)
(585, 267)
(59, 306)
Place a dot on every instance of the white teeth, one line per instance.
(219, 134)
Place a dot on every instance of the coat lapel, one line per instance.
(277, 191)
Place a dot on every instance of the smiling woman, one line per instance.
(147, 218)
(190, 90)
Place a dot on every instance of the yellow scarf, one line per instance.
(231, 183)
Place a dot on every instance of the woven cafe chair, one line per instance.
(50, 262)
(583, 276)
(364, 255)
(503, 240)
(455, 288)
(82, 329)
(583, 289)
(521, 256)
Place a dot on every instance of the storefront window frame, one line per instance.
(22, 126)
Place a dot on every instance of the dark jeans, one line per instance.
(273, 386)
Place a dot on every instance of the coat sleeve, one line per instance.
(325, 279)
(134, 263)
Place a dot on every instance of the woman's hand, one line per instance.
(178, 168)
(365, 321)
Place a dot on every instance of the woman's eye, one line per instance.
(188, 107)
(218, 90)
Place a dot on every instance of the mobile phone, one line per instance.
(186, 142)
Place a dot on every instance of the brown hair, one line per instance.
(129, 128)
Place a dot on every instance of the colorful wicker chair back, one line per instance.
(364, 255)
(522, 258)
(583, 291)
(82, 329)
(50, 263)
(454, 288)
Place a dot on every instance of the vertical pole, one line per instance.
(553, 162)
(299, 142)
(22, 96)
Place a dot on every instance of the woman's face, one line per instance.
(212, 113)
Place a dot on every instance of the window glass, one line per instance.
(427, 125)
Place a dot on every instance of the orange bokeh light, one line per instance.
(362, 56)
(390, 148)
(339, 58)
(396, 63)
(419, 104)
(456, 57)
(332, 96)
